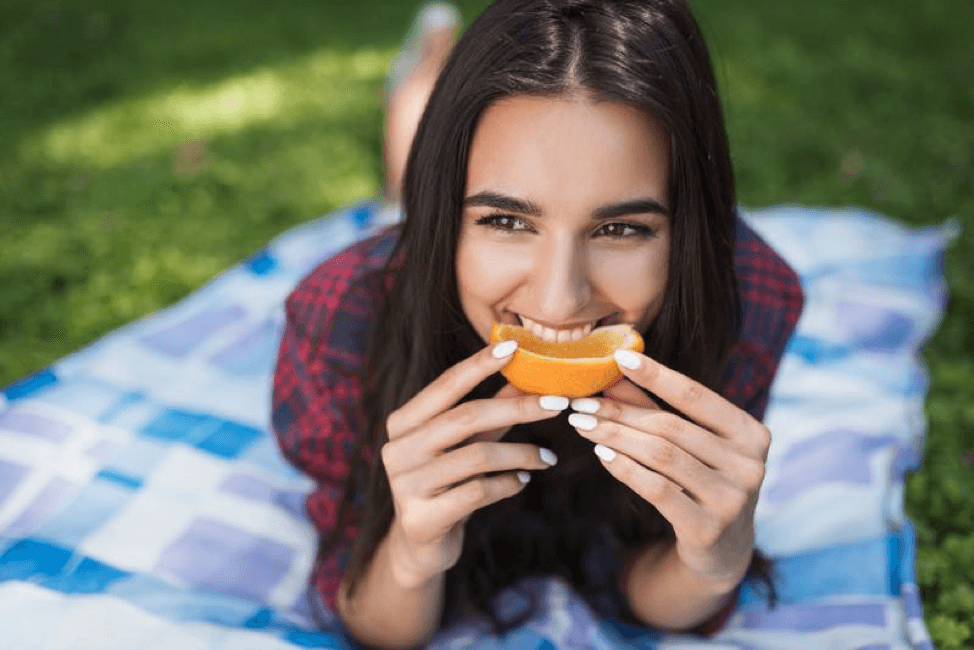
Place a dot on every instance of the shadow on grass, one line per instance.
(65, 57)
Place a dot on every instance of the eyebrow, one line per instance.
(521, 206)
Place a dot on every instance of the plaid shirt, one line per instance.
(317, 383)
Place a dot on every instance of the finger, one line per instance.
(475, 459)
(677, 507)
(457, 425)
(703, 483)
(614, 423)
(495, 435)
(628, 392)
(703, 444)
(457, 504)
(447, 389)
(692, 398)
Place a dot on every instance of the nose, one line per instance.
(561, 283)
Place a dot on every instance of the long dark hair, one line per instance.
(649, 54)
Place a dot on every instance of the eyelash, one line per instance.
(494, 221)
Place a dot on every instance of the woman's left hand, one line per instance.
(703, 473)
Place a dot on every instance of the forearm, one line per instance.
(390, 611)
(666, 595)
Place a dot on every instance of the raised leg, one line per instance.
(424, 51)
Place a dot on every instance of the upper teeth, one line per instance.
(548, 334)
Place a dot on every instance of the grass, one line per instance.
(146, 146)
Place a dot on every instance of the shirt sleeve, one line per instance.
(312, 411)
(771, 301)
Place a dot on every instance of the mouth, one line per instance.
(561, 335)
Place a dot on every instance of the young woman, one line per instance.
(571, 170)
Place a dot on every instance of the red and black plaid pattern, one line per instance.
(317, 384)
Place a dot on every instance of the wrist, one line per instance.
(650, 558)
(665, 593)
(403, 568)
(717, 584)
(732, 582)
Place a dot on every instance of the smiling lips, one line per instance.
(562, 335)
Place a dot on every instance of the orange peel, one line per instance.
(570, 368)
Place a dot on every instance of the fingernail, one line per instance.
(604, 453)
(548, 456)
(554, 403)
(627, 359)
(586, 405)
(504, 349)
(583, 422)
(524, 477)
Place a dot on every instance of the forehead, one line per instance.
(568, 148)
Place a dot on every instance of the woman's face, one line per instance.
(565, 221)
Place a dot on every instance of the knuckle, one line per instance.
(393, 423)
(670, 425)
(411, 522)
(662, 453)
(652, 422)
(745, 421)
(609, 409)
(388, 455)
(764, 439)
(753, 475)
(527, 408)
(649, 421)
(465, 415)
(609, 433)
(398, 488)
(692, 392)
(476, 491)
(657, 490)
(623, 472)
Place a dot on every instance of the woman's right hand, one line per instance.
(439, 456)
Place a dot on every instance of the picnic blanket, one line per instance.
(144, 503)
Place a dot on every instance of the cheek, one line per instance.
(634, 282)
(487, 271)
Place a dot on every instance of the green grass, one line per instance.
(146, 146)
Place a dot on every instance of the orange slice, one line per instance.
(571, 368)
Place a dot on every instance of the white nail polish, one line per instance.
(627, 359)
(586, 405)
(554, 403)
(548, 456)
(604, 453)
(524, 477)
(583, 422)
(504, 349)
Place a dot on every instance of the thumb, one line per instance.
(629, 393)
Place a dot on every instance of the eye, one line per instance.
(621, 230)
(505, 222)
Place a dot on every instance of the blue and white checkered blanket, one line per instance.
(143, 501)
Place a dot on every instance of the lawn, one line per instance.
(146, 146)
